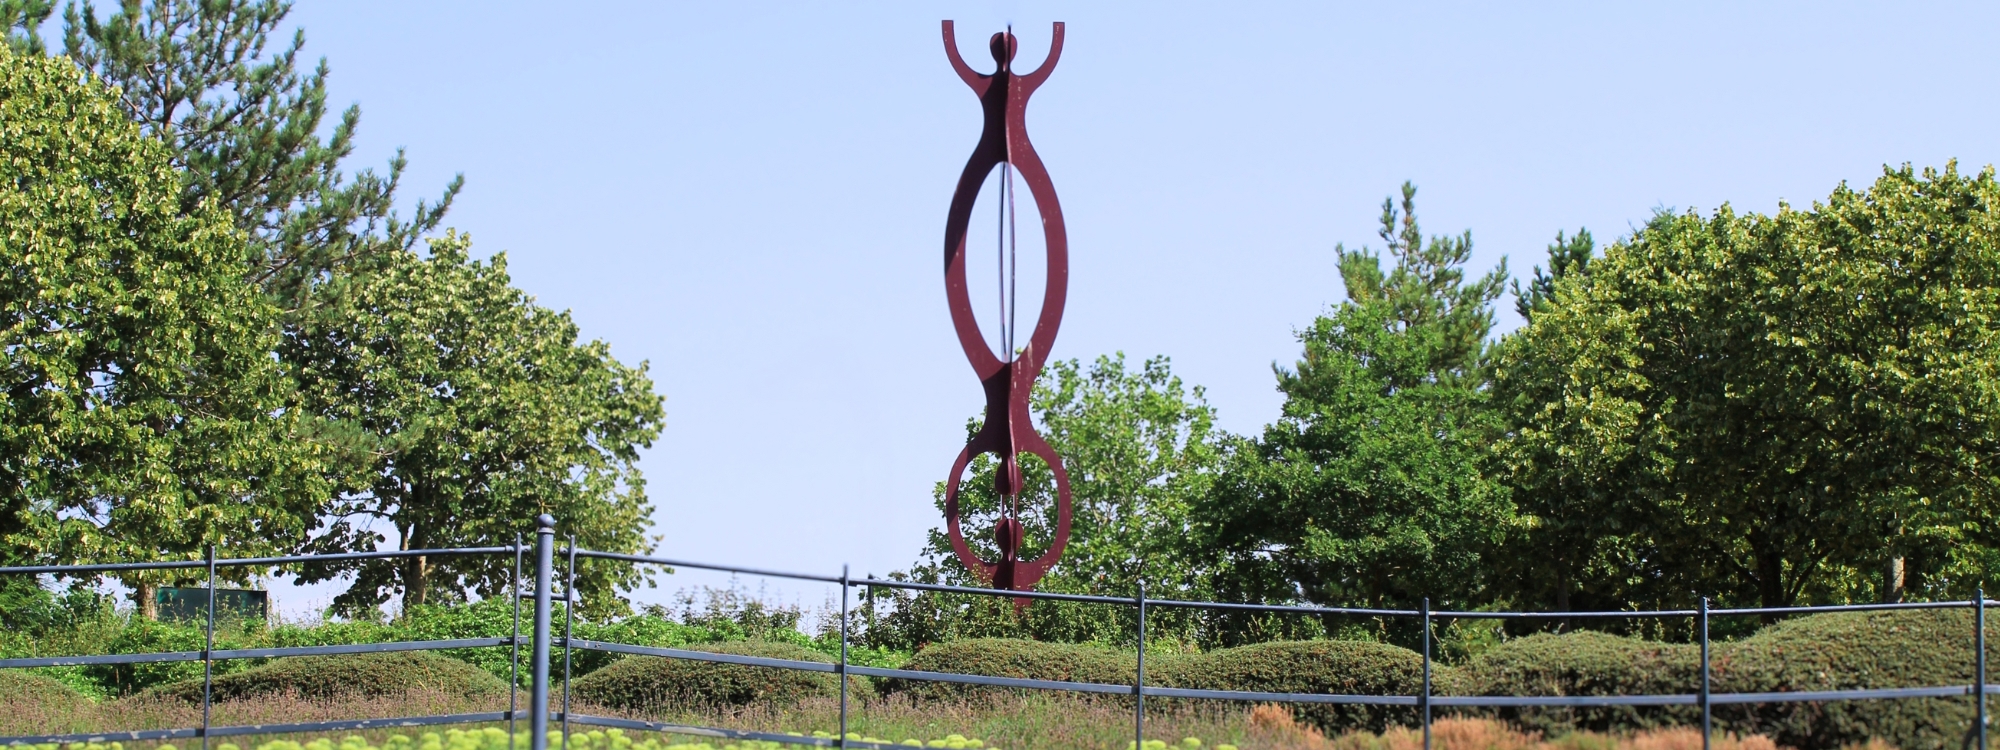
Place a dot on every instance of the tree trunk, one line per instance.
(1771, 582)
(1893, 581)
(416, 570)
(142, 594)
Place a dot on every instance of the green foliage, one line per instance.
(22, 691)
(1347, 667)
(1587, 663)
(21, 21)
(1139, 447)
(143, 418)
(1566, 257)
(641, 682)
(475, 409)
(108, 634)
(1368, 490)
(1765, 408)
(244, 128)
(324, 677)
(1838, 651)
(1923, 648)
(1010, 657)
(1324, 667)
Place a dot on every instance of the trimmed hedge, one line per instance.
(1325, 667)
(1907, 648)
(641, 682)
(19, 690)
(1009, 657)
(320, 677)
(1351, 667)
(1836, 651)
(1586, 663)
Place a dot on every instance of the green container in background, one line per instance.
(176, 604)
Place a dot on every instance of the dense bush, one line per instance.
(1911, 648)
(645, 681)
(1326, 667)
(107, 632)
(1586, 663)
(1920, 648)
(21, 691)
(1010, 657)
(372, 675)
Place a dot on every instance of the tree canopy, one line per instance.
(1368, 489)
(244, 125)
(142, 418)
(1768, 408)
(474, 409)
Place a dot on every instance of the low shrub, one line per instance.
(641, 682)
(1009, 657)
(1586, 663)
(1837, 651)
(1846, 650)
(1325, 667)
(21, 689)
(371, 675)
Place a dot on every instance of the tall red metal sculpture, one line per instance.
(1009, 376)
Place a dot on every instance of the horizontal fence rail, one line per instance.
(542, 707)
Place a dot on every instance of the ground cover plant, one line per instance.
(1030, 723)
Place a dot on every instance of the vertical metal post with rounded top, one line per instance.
(1979, 661)
(843, 656)
(207, 653)
(1139, 681)
(1707, 719)
(538, 692)
(1424, 701)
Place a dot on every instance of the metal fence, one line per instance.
(542, 641)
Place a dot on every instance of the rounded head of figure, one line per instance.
(1003, 45)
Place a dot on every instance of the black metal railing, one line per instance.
(542, 643)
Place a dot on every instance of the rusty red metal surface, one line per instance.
(1008, 377)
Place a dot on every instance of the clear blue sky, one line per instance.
(752, 196)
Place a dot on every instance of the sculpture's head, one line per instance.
(1003, 45)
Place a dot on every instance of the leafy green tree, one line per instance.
(143, 417)
(1368, 490)
(1140, 447)
(245, 128)
(477, 410)
(1766, 409)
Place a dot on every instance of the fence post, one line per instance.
(1979, 679)
(514, 660)
(843, 655)
(538, 691)
(569, 618)
(1707, 725)
(1426, 698)
(1139, 682)
(207, 652)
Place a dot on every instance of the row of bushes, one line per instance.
(1824, 652)
(119, 634)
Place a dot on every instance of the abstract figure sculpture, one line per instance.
(1008, 377)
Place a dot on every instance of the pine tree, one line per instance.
(244, 127)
